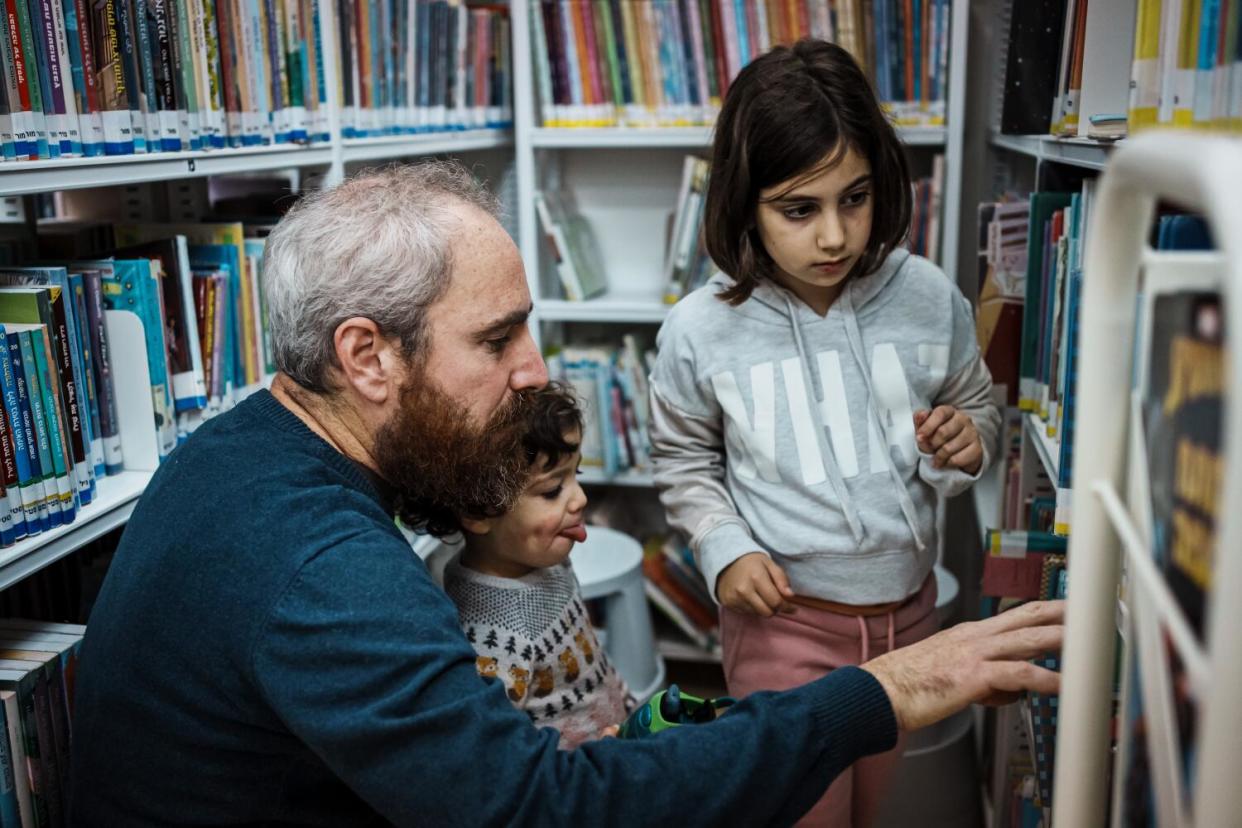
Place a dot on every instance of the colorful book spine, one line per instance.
(102, 365)
(28, 379)
(90, 394)
(54, 423)
(29, 487)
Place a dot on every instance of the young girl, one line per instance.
(809, 406)
(517, 597)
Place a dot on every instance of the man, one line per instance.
(267, 649)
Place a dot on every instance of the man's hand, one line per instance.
(950, 437)
(755, 585)
(981, 661)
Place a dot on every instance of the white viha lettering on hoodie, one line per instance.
(803, 426)
(892, 397)
(756, 437)
(758, 442)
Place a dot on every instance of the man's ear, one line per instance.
(477, 526)
(370, 362)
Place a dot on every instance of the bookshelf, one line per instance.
(636, 158)
(1110, 532)
(329, 161)
(1046, 448)
(1084, 153)
(1105, 511)
(115, 501)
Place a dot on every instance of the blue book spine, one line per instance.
(21, 496)
(36, 505)
(42, 441)
(1065, 465)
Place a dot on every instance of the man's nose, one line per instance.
(531, 372)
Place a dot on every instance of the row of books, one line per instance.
(670, 62)
(611, 384)
(1031, 257)
(118, 77)
(677, 590)
(423, 65)
(1187, 67)
(58, 430)
(196, 287)
(924, 238)
(37, 664)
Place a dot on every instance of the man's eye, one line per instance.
(497, 345)
(553, 494)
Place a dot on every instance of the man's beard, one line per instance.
(443, 466)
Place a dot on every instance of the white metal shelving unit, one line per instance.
(1199, 173)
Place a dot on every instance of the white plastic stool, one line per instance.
(609, 565)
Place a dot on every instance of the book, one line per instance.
(573, 246)
(17, 405)
(63, 320)
(181, 340)
(18, 760)
(133, 285)
(28, 379)
(1182, 418)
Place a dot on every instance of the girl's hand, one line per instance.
(950, 436)
(755, 585)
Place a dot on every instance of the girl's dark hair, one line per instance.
(783, 114)
(554, 414)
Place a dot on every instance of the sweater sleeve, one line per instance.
(363, 660)
(688, 457)
(968, 388)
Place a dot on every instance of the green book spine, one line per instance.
(55, 425)
(34, 390)
(1043, 205)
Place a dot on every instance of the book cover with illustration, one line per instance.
(1182, 411)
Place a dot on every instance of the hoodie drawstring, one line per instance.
(854, 335)
(831, 468)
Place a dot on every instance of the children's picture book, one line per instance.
(1182, 424)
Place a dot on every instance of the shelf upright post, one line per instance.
(332, 85)
(524, 151)
(955, 139)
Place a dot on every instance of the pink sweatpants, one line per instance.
(786, 651)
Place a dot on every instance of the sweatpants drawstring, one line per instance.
(864, 634)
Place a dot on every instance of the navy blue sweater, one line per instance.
(268, 649)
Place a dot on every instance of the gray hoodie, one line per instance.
(768, 435)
